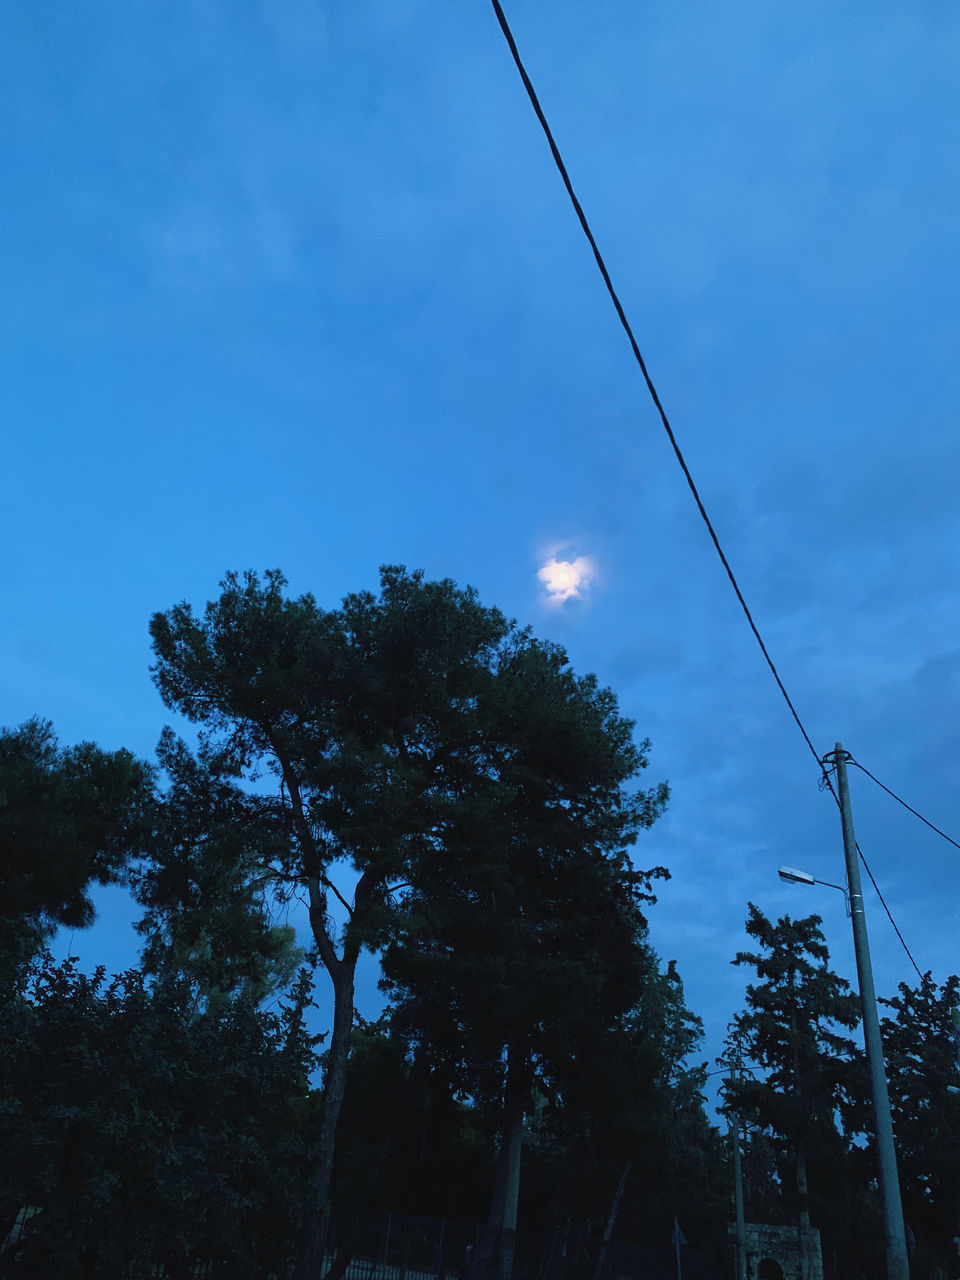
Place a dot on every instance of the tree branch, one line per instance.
(328, 884)
(318, 925)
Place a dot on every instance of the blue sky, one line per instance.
(296, 284)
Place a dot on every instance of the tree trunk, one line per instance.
(334, 1083)
(512, 1143)
(804, 1213)
(499, 1237)
(334, 1086)
(612, 1220)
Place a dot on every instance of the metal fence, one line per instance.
(384, 1246)
(365, 1245)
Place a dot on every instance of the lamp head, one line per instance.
(794, 876)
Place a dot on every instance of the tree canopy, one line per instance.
(145, 1133)
(69, 816)
(793, 1029)
(435, 784)
(521, 937)
(920, 1045)
(472, 782)
(207, 883)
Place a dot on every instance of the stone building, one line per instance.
(782, 1253)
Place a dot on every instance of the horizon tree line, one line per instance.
(484, 797)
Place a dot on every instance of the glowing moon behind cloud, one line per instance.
(566, 579)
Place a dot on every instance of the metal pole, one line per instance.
(734, 1123)
(676, 1246)
(897, 1266)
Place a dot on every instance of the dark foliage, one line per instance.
(146, 1132)
(920, 1044)
(802, 1163)
(68, 817)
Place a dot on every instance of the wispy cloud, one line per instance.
(207, 245)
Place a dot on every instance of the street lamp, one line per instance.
(793, 876)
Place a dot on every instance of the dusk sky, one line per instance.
(296, 284)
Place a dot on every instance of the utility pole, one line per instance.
(741, 1229)
(732, 1060)
(897, 1266)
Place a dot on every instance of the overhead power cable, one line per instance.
(909, 808)
(866, 868)
(578, 208)
(826, 780)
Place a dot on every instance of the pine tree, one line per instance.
(920, 1044)
(790, 1031)
(414, 737)
(522, 937)
(69, 817)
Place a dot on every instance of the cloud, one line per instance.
(566, 579)
(224, 244)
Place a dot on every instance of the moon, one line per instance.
(566, 579)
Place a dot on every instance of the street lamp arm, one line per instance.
(793, 876)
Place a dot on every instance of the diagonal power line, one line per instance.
(826, 780)
(578, 208)
(883, 903)
(893, 795)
